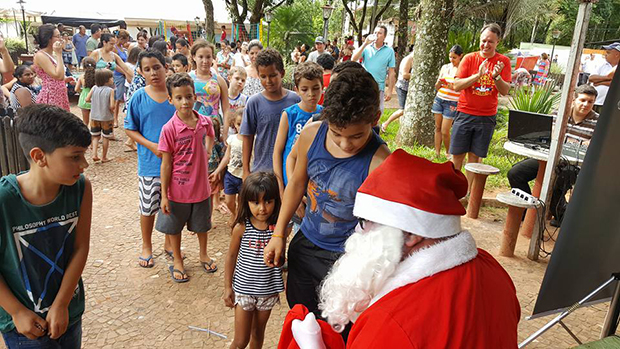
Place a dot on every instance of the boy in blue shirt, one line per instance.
(45, 232)
(148, 111)
(308, 78)
(334, 157)
(261, 116)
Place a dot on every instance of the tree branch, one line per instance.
(277, 5)
(361, 26)
(351, 15)
(378, 15)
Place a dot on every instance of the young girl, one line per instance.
(211, 89)
(84, 84)
(251, 287)
(102, 102)
(216, 157)
(232, 163)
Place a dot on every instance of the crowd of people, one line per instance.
(307, 163)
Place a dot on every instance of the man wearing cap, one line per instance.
(601, 78)
(410, 276)
(319, 45)
(379, 60)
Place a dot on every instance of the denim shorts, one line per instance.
(444, 107)
(471, 134)
(196, 215)
(72, 338)
(402, 97)
(119, 90)
(232, 184)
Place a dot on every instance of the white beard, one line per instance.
(370, 258)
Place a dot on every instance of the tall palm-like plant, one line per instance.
(539, 99)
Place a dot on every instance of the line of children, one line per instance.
(101, 98)
(261, 118)
(251, 287)
(148, 110)
(232, 166)
(45, 232)
(185, 142)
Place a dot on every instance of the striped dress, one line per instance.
(252, 277)
(448, 72)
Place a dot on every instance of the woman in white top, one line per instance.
(241, 58)
(402, 86)
(446, 100)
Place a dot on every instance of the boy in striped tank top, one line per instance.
(334, 157)
(444, 106)
(251, 287)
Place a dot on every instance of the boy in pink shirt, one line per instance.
(185, 142)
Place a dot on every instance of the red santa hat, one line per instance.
(414, 195)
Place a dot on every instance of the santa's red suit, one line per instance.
(450, 295)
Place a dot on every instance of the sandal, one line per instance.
(172, 271)
(209, 267)
(170, 254)
(147, 260)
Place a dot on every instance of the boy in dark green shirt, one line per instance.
(44, 232)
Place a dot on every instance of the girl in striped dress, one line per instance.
(251, 287)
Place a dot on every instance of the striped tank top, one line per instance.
(252, 277)
(448, 72)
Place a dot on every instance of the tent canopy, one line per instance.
(76, 22)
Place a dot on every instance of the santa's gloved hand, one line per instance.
(307, 333)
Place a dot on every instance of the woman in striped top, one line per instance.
(444, 106)
(251, 287)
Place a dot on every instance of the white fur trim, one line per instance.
(405, 218)
(442, 256)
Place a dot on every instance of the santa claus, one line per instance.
(410, 276)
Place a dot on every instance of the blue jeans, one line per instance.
(72, 339)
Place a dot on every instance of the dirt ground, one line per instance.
(131, 307)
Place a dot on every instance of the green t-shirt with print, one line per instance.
(36, 245)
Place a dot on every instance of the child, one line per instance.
(132, 61)
(46, 216)
(180, 63)
(102, 102)
(251, 287)
(214, 161)
(83, 86)
(236, 99)
(148, 110)
(169, 69)
(308, 79)
(232, 163)
(326, 61)
(185, 142)
(262, 113)
(334, 158)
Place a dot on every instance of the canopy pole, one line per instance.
(559, 131)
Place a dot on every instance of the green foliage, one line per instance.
(539, 99)
(604, 21)
(15, 45)
(557, 69)
(302, 16)
(498, 156)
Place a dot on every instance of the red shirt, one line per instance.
(480, 99)
(326, 78)
(223, 37)
(473, 305)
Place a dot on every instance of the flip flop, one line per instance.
(172, 271)
(147, 260)
(170, 254)
(209, 266)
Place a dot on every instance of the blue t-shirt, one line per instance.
(79, 42)
(261, 119)
(297, 119)
(377, 62)
(148, 117)
(332, 187)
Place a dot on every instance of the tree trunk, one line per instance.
(417, 125)
(403, 29)
(209, 22)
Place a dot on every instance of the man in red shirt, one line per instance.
(481, 77)
(223, 37)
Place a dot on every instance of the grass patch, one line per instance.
(498, 156)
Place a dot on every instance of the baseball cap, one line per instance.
(614, 46)
(319, 39)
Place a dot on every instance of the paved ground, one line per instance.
(131, 307)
